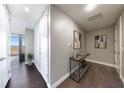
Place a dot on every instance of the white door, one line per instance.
(3, 73)
(117, 49)
(0, 72)
(36, 45)
(4, 47)
(0, 53)
(43, 27)
(118, 45)
(5, 62)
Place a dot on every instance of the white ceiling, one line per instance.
(31, 17)
(110, 13)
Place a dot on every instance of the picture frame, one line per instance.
(76, 40)
(101, 41)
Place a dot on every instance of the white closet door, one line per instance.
(4, 74)
(0, 65)
(0, 75)
(36, 45)
(0, 51)
(44, 47)
(3, 47)
(4, 33)
(118, 45)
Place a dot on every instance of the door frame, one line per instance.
(115, 51)
(120, 52)
(121, 47)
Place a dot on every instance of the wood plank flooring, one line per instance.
(24, 76)
(98, 76)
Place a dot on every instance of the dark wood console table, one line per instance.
(80, 70)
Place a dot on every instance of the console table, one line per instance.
(82, 67)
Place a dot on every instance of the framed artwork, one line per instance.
(76, 40)
(101, 41)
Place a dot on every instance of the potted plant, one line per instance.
(30, 58)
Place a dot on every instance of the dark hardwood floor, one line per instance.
(24, 76)
(98, 76)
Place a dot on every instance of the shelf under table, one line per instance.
(76, 75)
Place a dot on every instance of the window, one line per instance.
(17, 44)
(23, 44)
(14, 45)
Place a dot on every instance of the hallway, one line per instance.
(24, 76)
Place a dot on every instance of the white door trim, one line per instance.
(121, 47)
(49, 45)
(115, 46)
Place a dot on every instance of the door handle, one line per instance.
(2, 59)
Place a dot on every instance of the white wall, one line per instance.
(18, 26)
(102, 55)
(29, 43)
(62, 28)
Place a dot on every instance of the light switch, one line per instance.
(69, 45)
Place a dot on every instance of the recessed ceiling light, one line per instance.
(26, 9)
(90, 7)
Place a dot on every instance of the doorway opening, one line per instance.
(17, 48)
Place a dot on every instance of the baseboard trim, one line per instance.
(36, 66)
(122, 78)
(62, 79)
(100, 62)
(48, 85)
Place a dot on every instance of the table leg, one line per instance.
(79, 71)
(70, 67)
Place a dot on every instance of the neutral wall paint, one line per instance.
(102, 55)
(62, 28)
(29, 43)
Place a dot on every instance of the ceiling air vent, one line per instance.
(95, 17)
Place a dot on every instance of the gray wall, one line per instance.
(29, 42)
(62, 28)
(103, 55)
